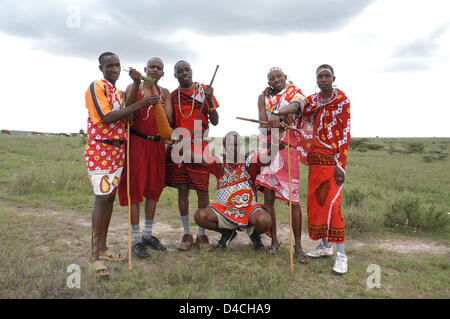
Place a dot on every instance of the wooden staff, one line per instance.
(263, 122)
(290, 202)
(130, 265)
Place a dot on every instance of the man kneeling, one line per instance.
(237, 208)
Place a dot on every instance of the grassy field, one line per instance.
(396, 206)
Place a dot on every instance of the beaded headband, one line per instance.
(274, 69)
(324, 69)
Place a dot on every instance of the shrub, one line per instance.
(353, 197)
(414, 147)
(406, 215)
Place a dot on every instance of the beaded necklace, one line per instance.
(179, 104)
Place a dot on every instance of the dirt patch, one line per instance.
(171, 236)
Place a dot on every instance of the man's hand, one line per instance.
(274, 120)
(150, 100)
(135, 76)
(339, 176)
(289, 118)
(267, 91)
(209, 92)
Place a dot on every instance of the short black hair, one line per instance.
(326, 66)
(155, 58)
(103, 55)
(176, 64)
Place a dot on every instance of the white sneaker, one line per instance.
(321, 251)
(340, 266)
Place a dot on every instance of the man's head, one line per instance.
(232, 142)
(325, 77)
(277, 79)
(155, 68)
(109, 66)
(183, 73)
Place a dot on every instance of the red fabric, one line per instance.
(324, 205)
(236, 188)
(239, 221)
(325, 127)
(195, 175)
(147, 160)
(214, 167)
(185, 104)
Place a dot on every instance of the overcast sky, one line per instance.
(390, 57)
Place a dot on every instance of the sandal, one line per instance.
(273, 249)
(111, 256)
(100, 269)
(301, 257)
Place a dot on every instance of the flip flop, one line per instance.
(301, 257)
(111, 256)
(273, 250)
(100, 269)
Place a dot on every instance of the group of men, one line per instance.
(313, 130)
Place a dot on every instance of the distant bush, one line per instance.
(414, 147)
(363, 144)
(406, 215)
(436, 156)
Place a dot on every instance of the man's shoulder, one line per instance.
(164, 90)
(341, 95)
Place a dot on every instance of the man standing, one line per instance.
(147, 158)
(105, 152)
(325, 132)
(187, 100)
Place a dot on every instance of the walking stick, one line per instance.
(290, 201)
(130, 265)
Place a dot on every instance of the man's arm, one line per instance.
(262, 110)
(168, 108)
(131, 93)
(213, 115)
(117, 115)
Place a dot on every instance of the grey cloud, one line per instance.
(422, 47)
(134, 28)
(414, 56)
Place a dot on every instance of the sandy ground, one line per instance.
(171, 236)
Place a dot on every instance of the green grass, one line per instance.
(46, 199)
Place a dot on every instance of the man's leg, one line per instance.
(183, 206)
(101, 216)
(207, 218)
(269, 205)
(202, 240)
(147, 237)
(138, 247)
(262, 222)
(297, 230)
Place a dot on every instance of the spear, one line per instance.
(263, 122)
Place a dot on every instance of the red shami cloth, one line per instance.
(195, 175)
(324, 142)
(324, 205)
(147, 160)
